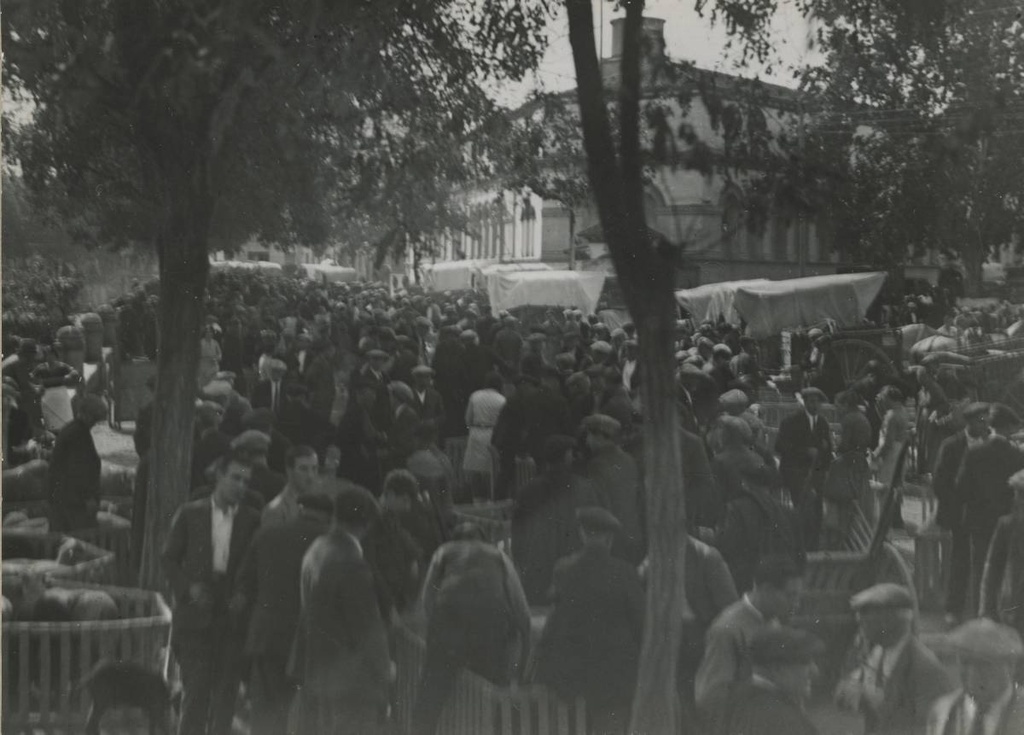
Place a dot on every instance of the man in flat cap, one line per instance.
(544, 526)
(983, 486)
(804, 446)
(719, 370)
(783, 663)
(1002, 584)
(891, 678)
(426, 400)
(950, 515)
(988, 702)
(590, 647)
(341, 655)
(778, 584)
(615, 477)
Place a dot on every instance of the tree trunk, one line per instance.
(646, 278)
(183, 270)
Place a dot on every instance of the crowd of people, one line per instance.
(326, 509)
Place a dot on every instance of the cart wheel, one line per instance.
(1013, 396)
(853, 356)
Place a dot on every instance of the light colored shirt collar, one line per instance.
(993, 716)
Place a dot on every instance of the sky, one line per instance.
(687, 37)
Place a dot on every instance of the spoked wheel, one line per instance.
(1013, 396)
(855, 355)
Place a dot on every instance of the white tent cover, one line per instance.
(713, 300)
(545, 288)
(263, 265)
(451, 275)
(774, 306)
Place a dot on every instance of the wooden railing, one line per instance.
(478, 707)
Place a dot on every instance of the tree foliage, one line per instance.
(919, 113)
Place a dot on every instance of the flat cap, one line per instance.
(1002, 416)
(602, 347)
(355, 504)
(976, 409)
(885, 596)
(782, 645)
(422, 321)
(251, 441)
(596, 518)
(217, 389)
(537, 337)
(377, 354)
(985, 640)
(813, 393)
(722, 350)
(736, 431)
(618, 332)
(422, 370)
(469, 334)
(276, 364)
(600, 423)
(631, 343)
(734, 401)
(565, 360)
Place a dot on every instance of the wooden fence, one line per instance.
(45, 663)
(478, 707)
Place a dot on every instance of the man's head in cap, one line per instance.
(355, 510)
(577, 386)
(602, 432)
(91, 409)
(976, 415)
(422, 376)
(733, 402)
(400, 492)
(988, 654)
(209, 415)
(735, 432)
(252, 445)
(28, 351)
(1003, 419)
(600, 351)
(598, 527)
(812, 399)
(721, 354)
(565, 362)
(786, 657)
(778, 586)
(885, 613)
(469, 337)
(302, 468)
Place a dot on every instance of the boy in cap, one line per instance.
(988, 702)
(891, 678)
(590, 647)
(950, 515)
(1002, 584)
(772, 702)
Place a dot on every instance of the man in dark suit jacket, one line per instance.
(271, 393)
(950, 515)
(425, 398)
(74, 478)
(270, 578)
(804, 446)
(983, 485)
(591, 642)
(201, 557)
(1002, 585)
(341, 655)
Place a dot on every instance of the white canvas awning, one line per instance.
(713, 300)
(545, 288)
(774, 306)
(451, 275)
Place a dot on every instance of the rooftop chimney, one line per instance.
(653, 37)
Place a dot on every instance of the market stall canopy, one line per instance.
(774, 306)
(335, 274)
(261, 265)
(451, 275)
(545, 288)
(713, 300)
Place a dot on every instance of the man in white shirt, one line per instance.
(989, 702)
(892, 679)
(201, 557)
(302, 468)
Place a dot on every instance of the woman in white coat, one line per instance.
(481, 415)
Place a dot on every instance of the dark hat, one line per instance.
(885, 596)
(469, 334)
(355, 505)
(565, 360)
(815, 393)
(598, 520)
(1002, 416)
(600, 423)
(985, 640)
(422, 370)
(28, 346)
(774, 646)
(722, 350)
(733, 401)
(251, 441)
(602, 347)
(555, 448)
(975, 409)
